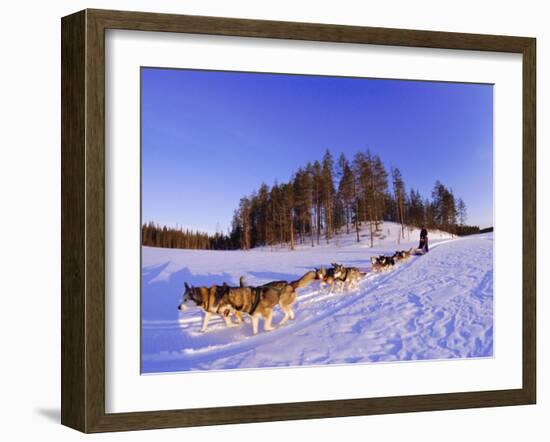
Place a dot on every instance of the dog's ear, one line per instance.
(186, 286)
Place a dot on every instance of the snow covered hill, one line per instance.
(389, 236)
(436, 306)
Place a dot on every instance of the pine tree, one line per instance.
(450, 211)
(361, 190)
(438, 196)
(327, 193)
(301, 201)
(317, 196)
(262, 215)
(444, 207)
(399, 191)
(244, 213)
(288, 211)
(276, 213)
(430, 213)
(346, 188)
(380, 188)
(462, 212)
(368, 190)
(416, 210)
(309, 189)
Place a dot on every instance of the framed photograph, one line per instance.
(267, 220)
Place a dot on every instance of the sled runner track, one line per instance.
(370, 276)
(177, 323)
(344, 300)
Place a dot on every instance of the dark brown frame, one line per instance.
(83, 217)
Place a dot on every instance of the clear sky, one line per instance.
(208, 138)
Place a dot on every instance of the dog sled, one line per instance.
(422, 247)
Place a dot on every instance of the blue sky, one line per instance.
(208, 138)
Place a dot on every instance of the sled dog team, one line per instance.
(259, 302)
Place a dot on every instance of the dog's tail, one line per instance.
(242, 281)
(305, 280)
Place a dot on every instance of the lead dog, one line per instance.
(212, 300)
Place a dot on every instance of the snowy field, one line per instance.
(436, 306)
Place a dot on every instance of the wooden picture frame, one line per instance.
(83, 220)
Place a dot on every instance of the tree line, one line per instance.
(327, 197)
(155, 235)
(323, 199)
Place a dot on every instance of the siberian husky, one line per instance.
(258, 302)
(212, 300)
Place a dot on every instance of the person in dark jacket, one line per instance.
(423, 245)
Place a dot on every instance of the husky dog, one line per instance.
(212, 300)
(348, 276)
(286, 301)
(259, 301)
(402, 255)
(327, 276)
(382, 263)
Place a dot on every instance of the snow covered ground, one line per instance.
(433, 307)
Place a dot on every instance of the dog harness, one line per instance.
(343, 278)
(257, 292)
